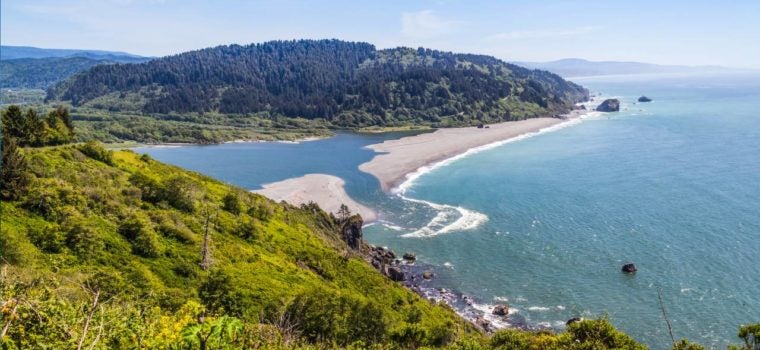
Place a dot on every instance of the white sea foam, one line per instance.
(539, 308)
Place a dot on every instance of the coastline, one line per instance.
(325, 190)
(401, 161)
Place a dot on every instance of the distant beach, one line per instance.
(325, 190)
(403, 158)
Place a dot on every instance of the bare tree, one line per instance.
(206, 260)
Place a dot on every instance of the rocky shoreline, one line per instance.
(421, 279)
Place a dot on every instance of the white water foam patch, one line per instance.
(467, 220)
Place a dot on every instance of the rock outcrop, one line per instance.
(645, 99)
(395, 273)
(573, 320)
(428, 275)
(629, 268)
(352, 231)
(609, 105)
(501, 310)
(409, 256)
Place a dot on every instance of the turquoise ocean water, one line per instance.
(545, 223)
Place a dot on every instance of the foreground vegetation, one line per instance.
(103, 249)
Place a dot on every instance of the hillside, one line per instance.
(42, 73)
(576, 67)
(9, 52)
(345, 83)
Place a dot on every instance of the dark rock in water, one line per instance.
(501, 310)
(409, 256)
(395, 273)
(573, 320)
(645, 99)
(582, 107)
(488, 127)
(352, 231)
(629, 268)
(609, 105)
(480, 126)
(428, 275)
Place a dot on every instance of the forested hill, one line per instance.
(347, 83)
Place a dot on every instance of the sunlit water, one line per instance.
(545, 223)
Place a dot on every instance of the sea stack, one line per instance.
(645, 99)
(629, 268)
(609, 105)
(501, 310)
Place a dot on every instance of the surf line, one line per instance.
(468, 219)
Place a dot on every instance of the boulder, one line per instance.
(645, 99)
(395, 274)
(428, 275)
(501, 310)
(409, 256)
(629, 268)
(573, 320)
(609, 105)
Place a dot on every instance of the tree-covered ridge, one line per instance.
(350, 84)
(42, 73)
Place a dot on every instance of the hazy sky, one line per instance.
(721, 32)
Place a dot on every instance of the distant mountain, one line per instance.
(348, 84)
(23, 67)
(41, 73)
(15, 52)
(576, 67)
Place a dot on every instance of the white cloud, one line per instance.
(541, 33)
(426, 25)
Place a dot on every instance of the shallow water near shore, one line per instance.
(672, 185)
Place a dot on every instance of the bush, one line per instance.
(95, 150)
(247, 230)
(231, 203)
(144, 240)
(49, 239)
(181, 192)
(83, 241)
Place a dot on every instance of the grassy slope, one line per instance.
(294, 251)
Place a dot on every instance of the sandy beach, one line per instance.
(325, 190)
(406, 155)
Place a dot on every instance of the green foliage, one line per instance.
(684, 344)
(29, 129)
(750, 334)
(95, 150)
(14, 177)
(232, 203)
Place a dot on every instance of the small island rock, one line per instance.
(609, 105)
(629, 268)
(501, 310)
(645, 99)
(427, 275)
(409, 256)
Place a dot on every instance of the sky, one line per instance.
(685, 32)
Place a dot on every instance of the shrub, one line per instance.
(231, 203)
(180, 192)
(144, 240)
(83, 240)
(49, 239)
(95, 150)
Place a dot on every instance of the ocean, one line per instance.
(545, 223)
